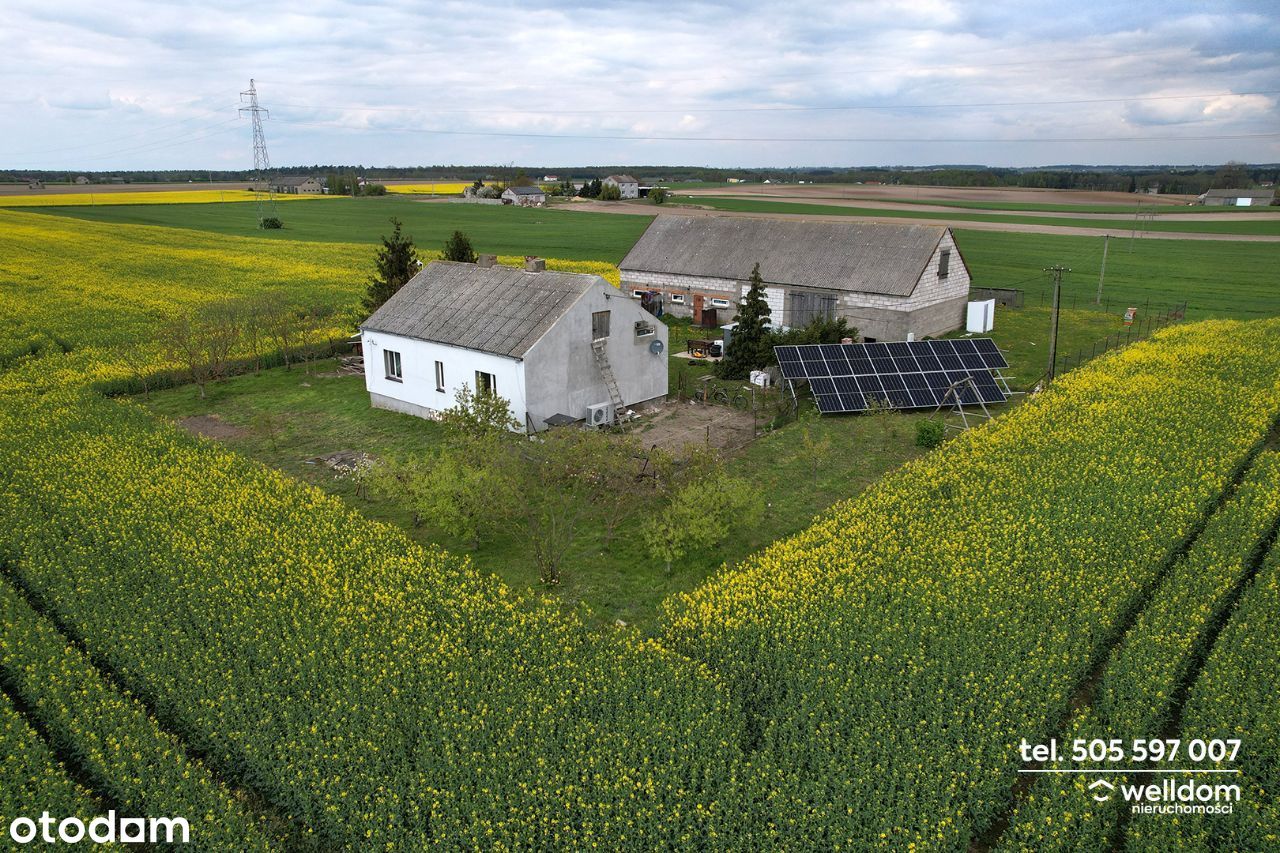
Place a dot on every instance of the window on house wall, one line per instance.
(439, 375)
(391, 361)
(677, 298)
(638, 294)
(486, 383)
(720, 303)
(599, 325)
(944, 263)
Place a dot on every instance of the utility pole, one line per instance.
(1106, 239)
(261, 162)
(1057, 270)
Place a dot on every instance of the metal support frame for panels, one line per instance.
(952, 394)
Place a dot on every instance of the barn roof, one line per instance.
(497, 309)
(862, 257)
(622, 179)
(293, 182)
(526, 190)
(1267, 194)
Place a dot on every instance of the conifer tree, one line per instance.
(749, 347)
(458, 248)
(397, 262)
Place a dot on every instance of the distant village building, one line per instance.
(557, 346)
(1237, 198)
(524, 196)
(297, 186)
(82, 180)
(888, 281)
(628, 187)
(34, 184)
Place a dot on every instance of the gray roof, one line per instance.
(292, 182)
(526, 190)
(496, 309)
(862, 257)
(1239, 194)
(622, 179)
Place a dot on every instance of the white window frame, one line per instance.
(392, 365)
(492, 383)
(637, 294)
(440, 376)
(717, 302)
(677, 298)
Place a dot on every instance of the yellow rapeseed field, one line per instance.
(430, 188)
(143, 197)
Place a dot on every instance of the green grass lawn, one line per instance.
(503, 230)
(1215, 278)
(1228, 225)
(317, 414)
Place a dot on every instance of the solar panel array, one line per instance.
(903, 374)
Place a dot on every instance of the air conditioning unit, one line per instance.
(600, 414)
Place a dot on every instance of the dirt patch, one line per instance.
(343, 461)
(211, 426)
(674, 424)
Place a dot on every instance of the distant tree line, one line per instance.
(1188, 180)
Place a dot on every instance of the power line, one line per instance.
(810, 139)
(782, 109)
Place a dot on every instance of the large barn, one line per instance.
(551, 343)
(891, 282)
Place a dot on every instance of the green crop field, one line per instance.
(1215, 278)
(499, 229)
(1229, 224)
(1139, 204)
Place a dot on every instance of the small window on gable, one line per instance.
(599, 325)
(944, 263)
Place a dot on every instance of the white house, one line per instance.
(550, 343)
(524, 196)
(297, 186)
(888, 281)
(628, 186)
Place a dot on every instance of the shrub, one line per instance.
(929, 433)
(270, 222)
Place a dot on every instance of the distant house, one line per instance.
(1237, 198)
(544, 341)
(34, 183)
(524, 196)
(297, 186)
(628, 186)
(82, 180)
(888, 281)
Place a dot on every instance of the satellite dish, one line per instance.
(655, 347)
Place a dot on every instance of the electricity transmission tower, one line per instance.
(261, 162)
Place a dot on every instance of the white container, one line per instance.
(761, 378)
(982, 316)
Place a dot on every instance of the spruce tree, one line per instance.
(458, 248)
(397, 262)
(749, 347)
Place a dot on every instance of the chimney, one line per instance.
(535, 265)
(486, 260)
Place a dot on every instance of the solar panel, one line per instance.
(903, 374)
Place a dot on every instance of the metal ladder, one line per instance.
(598, 347)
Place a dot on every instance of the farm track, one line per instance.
(1209, 639)
(1084, 694)
(254, 799)
(76, 769)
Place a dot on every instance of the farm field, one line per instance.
(88, 199)
(429, 188)
(329, 633)
(504, 230)
(101, 292)
(1228, 224)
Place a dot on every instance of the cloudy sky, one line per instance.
(120, 84)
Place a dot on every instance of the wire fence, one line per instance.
(1139, 330)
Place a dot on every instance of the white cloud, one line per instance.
(169, 74)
